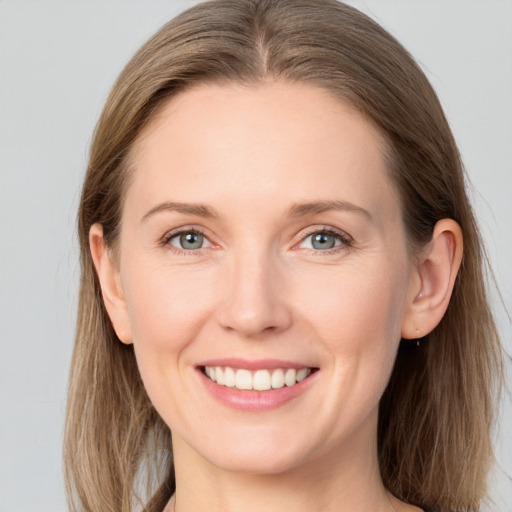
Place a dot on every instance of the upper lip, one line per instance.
(254, 364)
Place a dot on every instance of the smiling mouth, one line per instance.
(258, 380)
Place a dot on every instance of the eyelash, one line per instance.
(166, 241)
(345, 241)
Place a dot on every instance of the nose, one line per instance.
(254, 302)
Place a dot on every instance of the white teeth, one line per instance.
(243, 379)
(277, 378)
(210, 372)
(229, 378)
(302, 374)
(260, 380)
(290, 377)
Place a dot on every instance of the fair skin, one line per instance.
(261, 232)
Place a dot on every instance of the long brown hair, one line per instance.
(435, 416)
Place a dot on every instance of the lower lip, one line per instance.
(256, 401)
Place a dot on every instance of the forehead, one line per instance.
(270, 142)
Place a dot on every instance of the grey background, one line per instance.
(58, 60)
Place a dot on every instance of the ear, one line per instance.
(432, 286)
(108, 275)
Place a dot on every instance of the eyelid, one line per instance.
(345, 239)
(189, 231)
(165, 241)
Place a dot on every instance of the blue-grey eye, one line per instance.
(322, 241)
(188, 240)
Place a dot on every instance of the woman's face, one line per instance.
(261, 244)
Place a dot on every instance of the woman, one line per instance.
(281, 277)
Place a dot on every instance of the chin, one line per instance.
(246, 452)
(257, 462)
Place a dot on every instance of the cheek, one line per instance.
(357, 307)
(167, 306)
(167, 309)
(356, 316)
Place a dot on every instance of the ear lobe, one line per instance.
(111, 290)
(437, 269)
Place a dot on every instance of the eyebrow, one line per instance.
(311, 208)
(200, 210)
(296, 210)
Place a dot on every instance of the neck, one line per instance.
(343, 480)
